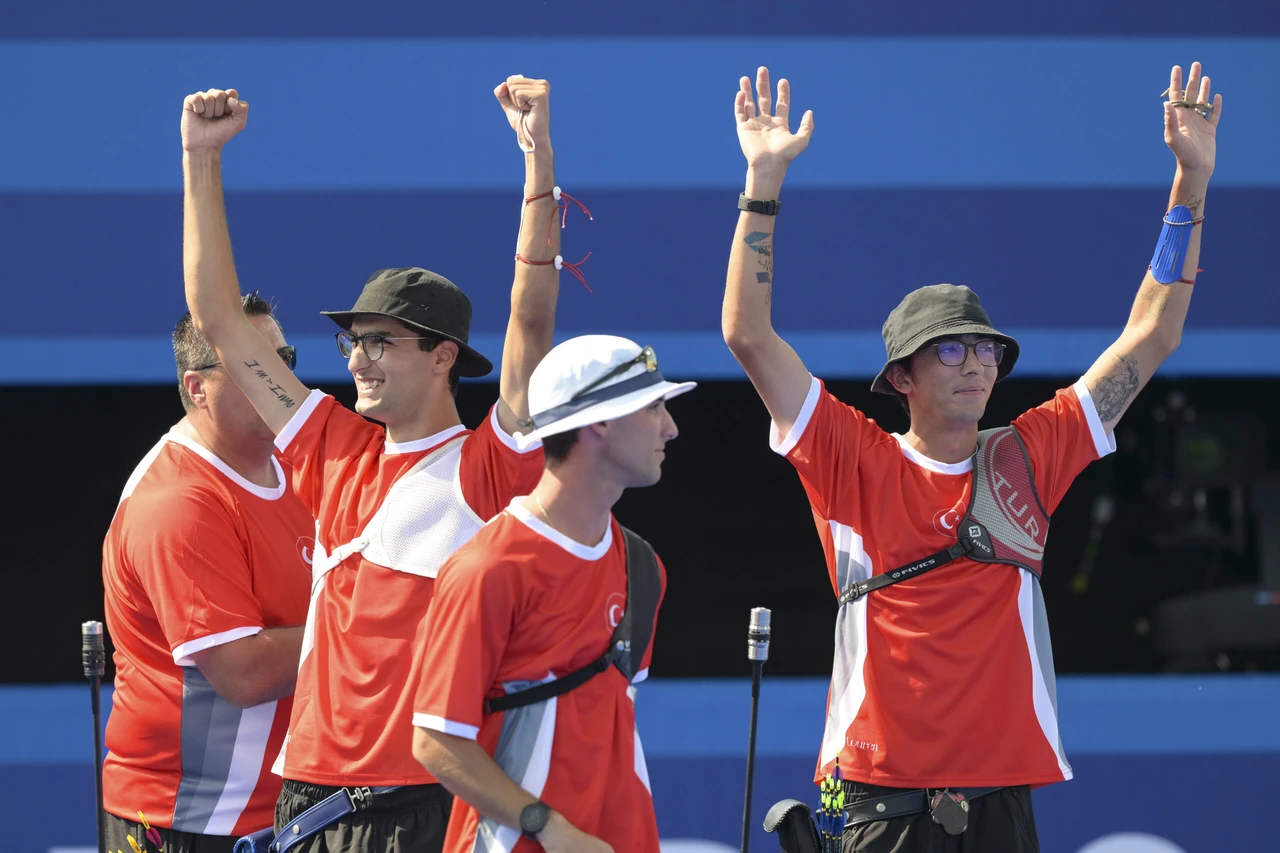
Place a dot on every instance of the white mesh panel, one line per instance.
(424, 518)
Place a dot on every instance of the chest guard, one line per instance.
(423, 519)
(1003, 523)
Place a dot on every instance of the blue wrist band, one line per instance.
(1171, 249)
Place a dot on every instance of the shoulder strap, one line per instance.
(630, 638)
(644, 586)
(972, 537)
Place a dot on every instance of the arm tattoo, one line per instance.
(284, 398)
(761, 243)
(1116, 388)
(1193, 204)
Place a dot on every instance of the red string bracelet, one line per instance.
(561, 263)
(562, 204)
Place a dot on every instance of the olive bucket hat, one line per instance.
(937, 311)
(422, 300)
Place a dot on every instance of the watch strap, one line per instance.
(755, 205)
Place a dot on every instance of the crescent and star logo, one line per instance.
(614, 607)
(306, 548)
(946, 520)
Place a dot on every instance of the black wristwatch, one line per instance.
(533, 818)
(755, 205)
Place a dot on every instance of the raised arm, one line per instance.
(779, 377)
(1160, 310)
(209, 120)
(535, 287)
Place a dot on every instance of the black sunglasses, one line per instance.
(288, 354)
(647, 357)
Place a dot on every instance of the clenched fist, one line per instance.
(210, 119)
(528, 108)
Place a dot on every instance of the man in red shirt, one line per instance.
(205, 567)
(942, 709)
(391, 502)
(535, 597)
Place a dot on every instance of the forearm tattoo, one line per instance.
(258, 371)
(1116, 388)
(1193, 204)
(761, 243)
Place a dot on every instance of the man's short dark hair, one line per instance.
(428, 343)
(556, 447)
(192, 349)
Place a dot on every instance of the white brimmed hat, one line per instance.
(590, 379)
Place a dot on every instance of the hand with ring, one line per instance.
(1193, 141)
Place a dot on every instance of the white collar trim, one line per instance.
(208, 456)
(934, 465)
(392, 448)
(577, 549)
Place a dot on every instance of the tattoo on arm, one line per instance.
(1193, 204)
(1116, 388)
(284, 398)
(761, 243)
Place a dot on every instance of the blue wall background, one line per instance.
(1193, 760)
(1013, 147)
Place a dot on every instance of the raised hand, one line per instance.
(527, 104)
(766, 137)
(210, 119)
(1191, 121)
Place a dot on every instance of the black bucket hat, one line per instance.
(939, 310)
(424, 300)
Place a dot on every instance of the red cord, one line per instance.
(562, 205)
(561, 263)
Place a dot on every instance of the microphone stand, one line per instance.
(757, 652)
(94, 657)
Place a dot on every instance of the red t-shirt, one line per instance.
(195, 557)
(519, 605)
(353, 704)
(947, 679)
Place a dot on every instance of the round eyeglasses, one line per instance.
(953, 353)
(372, 343)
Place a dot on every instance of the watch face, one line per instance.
(533, 818)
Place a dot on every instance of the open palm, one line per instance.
(763, 131)
(1190, 135)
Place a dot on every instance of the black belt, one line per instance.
(901, 804)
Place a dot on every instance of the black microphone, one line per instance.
(757, 652)
(93, 655)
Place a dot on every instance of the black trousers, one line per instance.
(409, 820)
(1000, 822)
(118, 828)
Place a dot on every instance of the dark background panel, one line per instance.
(513, 18)
(729, 518)
(843, 261)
